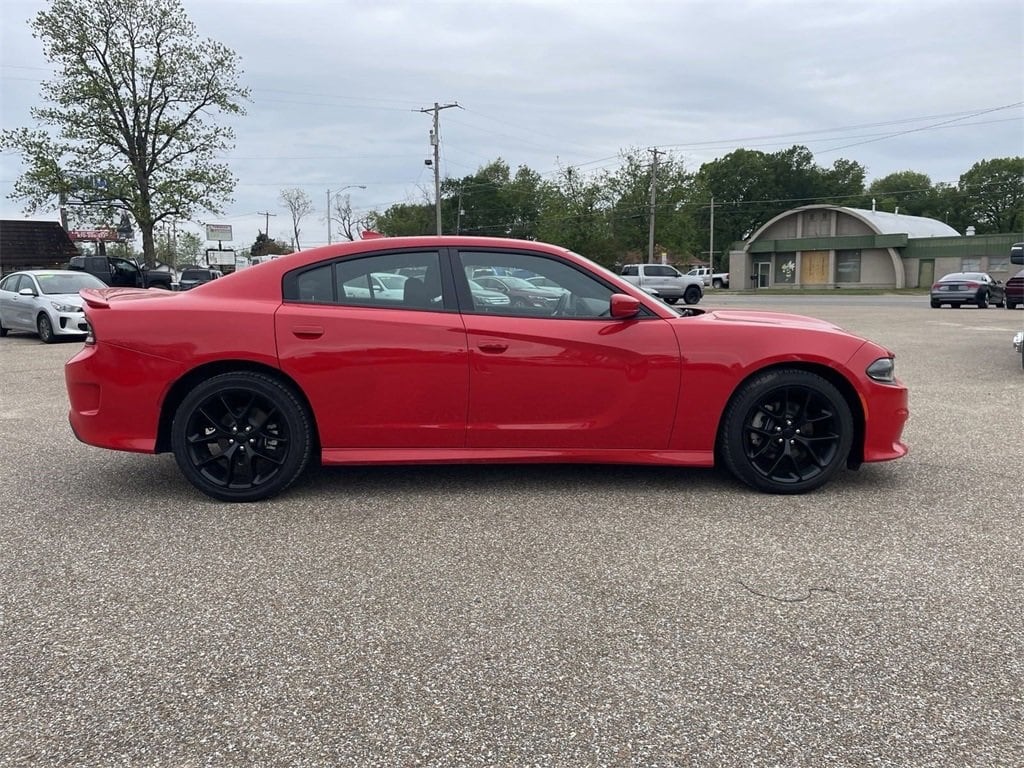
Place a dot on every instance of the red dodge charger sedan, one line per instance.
(245, 378)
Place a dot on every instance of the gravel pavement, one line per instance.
(527, 616)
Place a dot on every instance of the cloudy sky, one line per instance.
(337, 88)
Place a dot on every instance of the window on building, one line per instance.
(998, 263)
(971, 264)
(785, 268)
(848, 266)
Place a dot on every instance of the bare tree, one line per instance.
(299, 206)
(341, 214)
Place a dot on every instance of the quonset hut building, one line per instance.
(831, 246)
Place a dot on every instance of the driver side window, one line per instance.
(531, 285)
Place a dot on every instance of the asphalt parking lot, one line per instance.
(528, 616)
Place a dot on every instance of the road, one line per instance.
(514, 616)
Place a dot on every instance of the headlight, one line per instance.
(65, 307)
(883, 369)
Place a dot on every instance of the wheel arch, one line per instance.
(180, 389)
(831, 375)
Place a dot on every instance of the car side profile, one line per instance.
(45, 302)
(274, 366)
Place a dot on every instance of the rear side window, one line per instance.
(406, 280)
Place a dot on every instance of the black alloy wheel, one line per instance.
(241, 436)
(786, 431)
(45, 329)
(691, 295)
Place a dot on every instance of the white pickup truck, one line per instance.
(717, 279)
(671, 284)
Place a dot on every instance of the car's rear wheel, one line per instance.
(3, 331)
(983, 300)
(717, 283)
(241, 436)
(936, 304)
(45, 329)
(691, 295)
(671, 301)
(786, 431)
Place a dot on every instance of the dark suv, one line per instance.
(193, 276)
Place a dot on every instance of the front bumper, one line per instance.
(69, 323)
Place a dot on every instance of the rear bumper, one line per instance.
(115, 396)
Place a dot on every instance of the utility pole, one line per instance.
(711, 247)
(266, 215)
(654, 189)
(435, 140)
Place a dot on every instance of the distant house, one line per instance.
(34, 245)
(831, 246)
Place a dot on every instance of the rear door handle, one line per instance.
(308, 331)
(492, 347)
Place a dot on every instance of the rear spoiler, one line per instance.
(101, 298)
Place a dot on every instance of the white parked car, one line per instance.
(46, 302)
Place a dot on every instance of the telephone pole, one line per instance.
(435, 141)
(266, 215)
(654, 189)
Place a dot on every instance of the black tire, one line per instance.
(786, 431)
(717, 283)
(936, 304)
(983, 300)
(276, 429)
(691, 295)
(671, 301)
(1011, 304)
(1001, 303)
(3, 331)
(45, 329)
(955, 304)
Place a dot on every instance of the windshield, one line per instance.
(68, 283)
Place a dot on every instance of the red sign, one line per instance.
(107, 235)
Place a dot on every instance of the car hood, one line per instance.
(763, 317)
(64, 298)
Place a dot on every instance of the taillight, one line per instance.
(972, 285)
(90, 335)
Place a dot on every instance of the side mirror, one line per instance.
(26, 292)
(624, 307)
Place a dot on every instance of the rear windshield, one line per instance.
(195, 274)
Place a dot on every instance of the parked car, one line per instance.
(260, 373)
(45, 302)
(671, 284)
(959, 288)
(714, 279)
(1014, 290)
(190, 277)
(522, 293)
(485, 299)
(116, 271)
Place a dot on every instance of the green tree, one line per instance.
(911, 192)
(130, 120)
(264, 246)
(993, 192)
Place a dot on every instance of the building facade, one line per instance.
(830, 246)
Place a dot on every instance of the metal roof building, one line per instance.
(832, 246)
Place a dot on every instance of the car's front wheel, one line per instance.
(241, 436)
(45, 329)
(786, 431)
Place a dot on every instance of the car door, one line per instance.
(9, 302)
(575, 379)
(379, 374)
(22, 307)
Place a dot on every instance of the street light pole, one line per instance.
(337, 192)
(435, 140)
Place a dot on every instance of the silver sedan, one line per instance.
(45, 302)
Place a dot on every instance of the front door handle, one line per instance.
(308, 331)
(493, 347)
